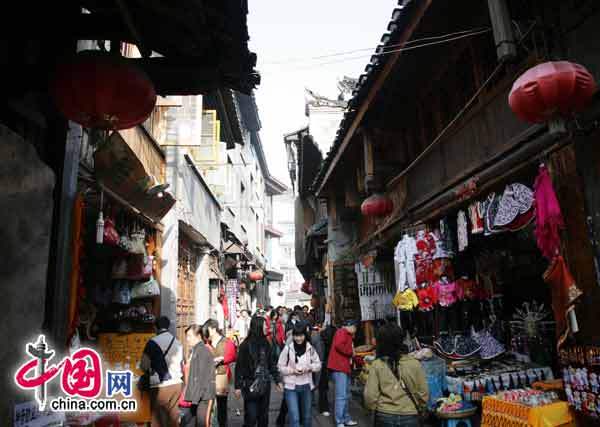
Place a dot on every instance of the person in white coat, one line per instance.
(297, 363)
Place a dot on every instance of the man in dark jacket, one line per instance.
(326, 338)
(340, 363)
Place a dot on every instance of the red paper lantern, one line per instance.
(549, 89)
(100, 90)
(255, 276)
(377, 205)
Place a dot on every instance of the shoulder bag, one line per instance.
(151, 377)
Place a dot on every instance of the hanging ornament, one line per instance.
(100, 222)
(377, 205)
(101, 90)
(549, 89)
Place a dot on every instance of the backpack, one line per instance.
(262, 378)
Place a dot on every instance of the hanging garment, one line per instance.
(427, 298)
(441, 267)
(516, 200)
(549, 220)
(564, 295)
(444, 243)
(476, 218)
(426, 248)
(445, 293)
(470, 289)
(375, 291)
(490, 207)
(463, 233)
(406, 300)
(404, 263)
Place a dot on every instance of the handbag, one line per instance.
(138, 242)
(421, 407)
(150, 377)
(150, 288)
(110, 236)
(262, 378)
(139, 267)
(121, 293)
(222, 384)
(119, 270)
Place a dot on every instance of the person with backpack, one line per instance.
(256, 368)
(225, 353)
(396, 388)
(161, 364)
(297, 363)
(198, 397)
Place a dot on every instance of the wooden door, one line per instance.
(186, 290)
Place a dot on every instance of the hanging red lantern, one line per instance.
(377, 205)
(255, 275)
(100, 90)
(549, 89)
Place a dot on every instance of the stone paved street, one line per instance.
(236, 414)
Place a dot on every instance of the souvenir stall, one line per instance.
(485, 288)
(117, 294)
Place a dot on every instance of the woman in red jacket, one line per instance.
(340, 365)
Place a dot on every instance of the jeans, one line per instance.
(386, 420)
(299, 400)
(191, 415)
(256, 411)
(342, 394)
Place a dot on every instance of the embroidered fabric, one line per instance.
(463, 233)
(404, 263)
(491, 205)
(516, 200)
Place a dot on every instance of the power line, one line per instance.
(387, 52)
(408, 43)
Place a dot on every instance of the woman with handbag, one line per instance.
(396, 387)
(224, 354)
(198, 396)
(255, 369)
(297, 363)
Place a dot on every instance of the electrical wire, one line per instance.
(404, 49)
(408, 43)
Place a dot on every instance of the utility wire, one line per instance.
(385, 48)
(387, 52)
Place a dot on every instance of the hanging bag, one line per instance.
(149, 288)
(110, 235)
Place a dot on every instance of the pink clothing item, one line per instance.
(309, 362)
(446, 293)
(549, 219)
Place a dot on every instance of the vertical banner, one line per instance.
(231, 290)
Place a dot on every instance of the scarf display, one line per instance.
(548, 217)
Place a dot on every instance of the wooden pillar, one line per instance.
(369, 160)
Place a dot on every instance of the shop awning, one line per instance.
(233, 248)
(117, 168)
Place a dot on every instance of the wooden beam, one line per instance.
(369, 160)
(374, 90)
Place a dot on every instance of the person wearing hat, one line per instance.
(340, 365)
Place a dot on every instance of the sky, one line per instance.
(287, 35)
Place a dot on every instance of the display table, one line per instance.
(501, 413)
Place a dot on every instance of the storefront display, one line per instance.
(500, 412)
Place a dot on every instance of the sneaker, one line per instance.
(341, 425)
(326, 414)
(351, 423)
